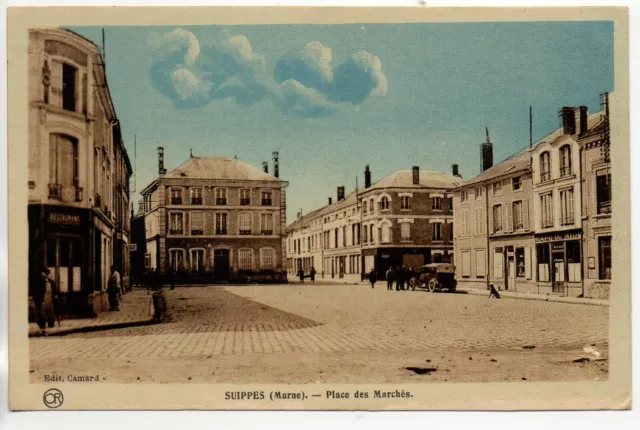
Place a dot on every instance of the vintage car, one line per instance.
(435, 276)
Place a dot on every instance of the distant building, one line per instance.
(78, 171)
(214, 220)
(404, 219)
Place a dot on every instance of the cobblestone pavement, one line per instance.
(331, 321)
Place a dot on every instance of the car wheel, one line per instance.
(432, 285)
(413, 283)
(452, 289)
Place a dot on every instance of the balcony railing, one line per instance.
(175, 231)
(604, 207)
(196, 200)
(221, 201)
(221, 231)
(245, 202)
(266, 232)
(197, 232)
(545, 176)
(176, 200)
(565, 171)
(267, 202)
(245, 232)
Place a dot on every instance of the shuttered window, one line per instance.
(267, 258)
(466, 264)
(480, 263)
(197, 222)
(245, 259)
(244, 223)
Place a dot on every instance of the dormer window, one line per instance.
(545, 167)
(565, 161)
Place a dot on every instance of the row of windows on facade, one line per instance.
(504, 217)
(565, 164)
(370, 234)
(221, 196)
(496, 188)
(196, 262)
(563, 270)
(196, 223)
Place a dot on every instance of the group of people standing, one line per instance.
(312, 274)
(401, 277)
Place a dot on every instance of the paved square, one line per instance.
(337, 333)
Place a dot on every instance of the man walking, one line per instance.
(399, 279)
(312, 274)
(113, 290)
(373, 277)
(43, 298)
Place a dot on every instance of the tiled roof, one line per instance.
(428, 179)
(219, 168)
(301, 222)
(522, 160)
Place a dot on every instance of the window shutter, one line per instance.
(525, 214)
(55, 92)
(527, 262)
(84, 93)
(509, 211)
(505, 217)
(490, 213)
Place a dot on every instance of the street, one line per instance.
(305, 333)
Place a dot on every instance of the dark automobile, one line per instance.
(435, 276)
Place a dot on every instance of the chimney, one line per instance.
(265, 167)
(276, 165)
(486, 153)
(367, 177)
(330, 201)
(340, 194)
(161, 169)
(584, 114)
(416, 175)
(568, 119)
(454, 169)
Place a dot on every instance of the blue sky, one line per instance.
(333, 98)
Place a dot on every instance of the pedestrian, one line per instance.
(113, 290)
(408, 273)
(301, 275)
(44, 295)
(389, 276)
(373, 277)
(312, 274)
(398, 276)
(172, 278)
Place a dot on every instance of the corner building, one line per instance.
(214, 219)
(79, 172)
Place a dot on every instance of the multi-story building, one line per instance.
(407, 219)
(214, 219)
(596, 206)
(78, 170)
(493, 234)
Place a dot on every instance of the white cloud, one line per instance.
(178, 40)
(188, 84)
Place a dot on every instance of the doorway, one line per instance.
(511, 273)
(558, 268)
(221, 264)
(64, 260)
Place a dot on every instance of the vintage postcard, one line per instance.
(319, 208)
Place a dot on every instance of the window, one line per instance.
(565, 160)
(566, 207)
(221, 196)
(344, 236)
(196, 196)
(543, 262)
(497, 218)
(197, 259)
(466, 264)
(385, 233)
(498, 263)
(604, 256)
(404, 203)
(465, 223)
(436, 204)
(176, 223)
(603, 191)
(518, 220)
(267, 259)
(267, 198)
(371, 210)
(197, 223)
(573, 261)
(480, 263)
(546, 206)
(147, 260)
(463, 196)
(384, 203)
(371, 237)
(520, 263)
(244, 223)
(545, 167)
(176, 259)
(365, 236)
(405, 231)
(436, 232)
(245, 259)
(221, 223)
(266, 224)
(176, 196)
(516, 183)
(497, 188)
(63, 164)
(69, 87)
(364, 207)
(245, 197)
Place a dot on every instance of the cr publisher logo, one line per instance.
(53, 398)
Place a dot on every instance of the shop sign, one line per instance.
(559, 237)
(499, 250)
(558, 246)
(384, 255)
(66, 219)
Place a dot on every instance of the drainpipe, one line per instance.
(486, 216)
(582, 214)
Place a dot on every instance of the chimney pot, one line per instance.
(568, 120)
(276, 164)
(265, 167)
(584, 115)
(161, 170)
(340, 193)
(454, 169)
(330, 200)
(416, 175)
(486, 153)
(367, 177)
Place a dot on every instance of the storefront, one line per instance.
(511, 263)
(59, 241)
(559, 263)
